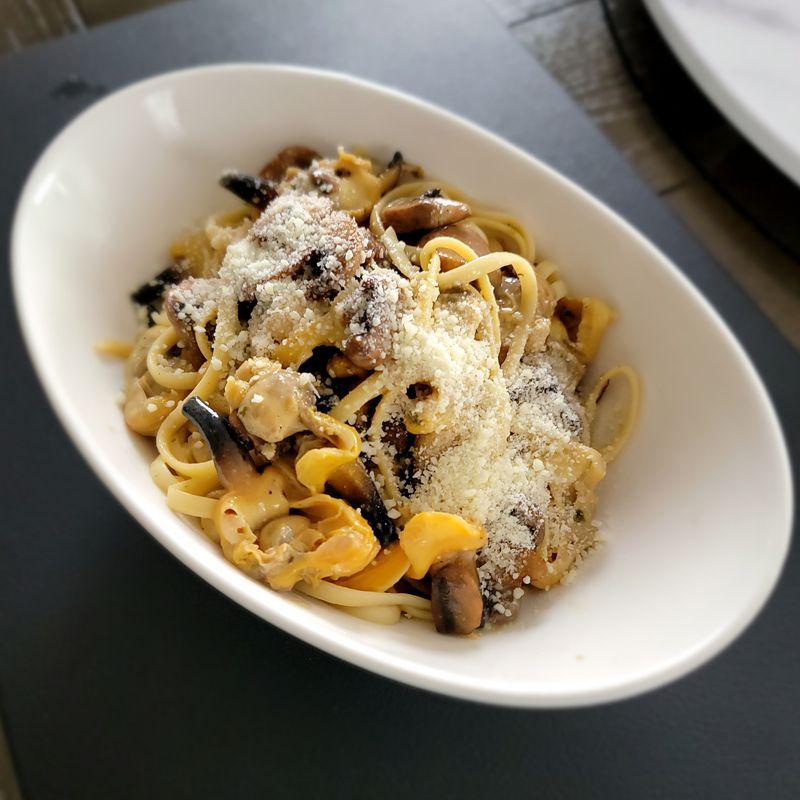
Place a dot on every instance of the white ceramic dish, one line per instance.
(696, 510)
(745, 55)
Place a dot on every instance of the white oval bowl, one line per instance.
(696, 511)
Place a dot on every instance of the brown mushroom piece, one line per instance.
(323, 178)
(184, 327)
(296, 155)
(255, 191)
(228, 451)
(153, 290)
(456, 599)
(369, 316)
(255, 446)
(506, 289)
(505, 586)
(353, 483)
(465, 232)
(369, 349)
(328, 257)
(401, 444)
(422, 213)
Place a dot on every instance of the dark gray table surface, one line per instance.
(122, 675)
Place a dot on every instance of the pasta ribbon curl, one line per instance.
(329, 540)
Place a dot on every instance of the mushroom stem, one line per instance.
(232, 461)
(353, 483)
(456, 600)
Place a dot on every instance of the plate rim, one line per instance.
(400, 668)
(771, 141)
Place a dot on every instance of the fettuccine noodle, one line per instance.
(363, 386)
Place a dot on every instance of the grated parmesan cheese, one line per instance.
(496, 447)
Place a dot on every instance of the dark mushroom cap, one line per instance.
(153, 290)
(456, 600)
(230, 456)
(296, 155)
(353, 483)
(255, 191)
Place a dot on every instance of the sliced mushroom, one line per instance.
(329, 254)
(152, 291)
(327, 273)
(470, 234)
(256, 191)
(353, 483)
(423, 213)
(297, 155)
(184, 326)
(369, 317)
(230, 456)
(369, 349)
(506, 290)
(570, 311)
(584, 320)
(376, 250)
(456, 600)
(506, 585)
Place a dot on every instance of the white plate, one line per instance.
(745, 55)
(696, 510)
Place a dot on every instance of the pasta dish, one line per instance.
(364, 386)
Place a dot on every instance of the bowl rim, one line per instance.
(402, 669)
